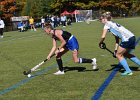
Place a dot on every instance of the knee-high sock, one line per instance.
(84, 60)
(135, 60)
(60, 64)
(123, 62)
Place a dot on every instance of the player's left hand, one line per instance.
(102, 45)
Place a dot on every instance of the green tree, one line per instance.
(118, 8)
(135, 10)
(40, 8)
(21, 4)
(59, 6)
(37, 8)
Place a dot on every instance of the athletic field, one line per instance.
(20, 51)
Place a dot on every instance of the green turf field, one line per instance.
(21, 51)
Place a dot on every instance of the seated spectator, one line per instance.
(20, 26)
(69, 21)
(25, 26)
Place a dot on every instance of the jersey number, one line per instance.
(118, 25)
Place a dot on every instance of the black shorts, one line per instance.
(130, 44)
(1, 31)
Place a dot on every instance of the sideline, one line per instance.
(24, 81)
(102, 88)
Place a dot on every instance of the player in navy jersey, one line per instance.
(68, 42)
(127, 43)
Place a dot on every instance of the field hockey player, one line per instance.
(68, 42)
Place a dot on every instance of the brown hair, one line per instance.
(48, 25)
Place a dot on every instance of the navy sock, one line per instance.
(60, 64)
(84, 60)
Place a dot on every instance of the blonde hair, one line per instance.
(106, 15)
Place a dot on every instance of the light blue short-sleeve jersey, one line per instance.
(118, 30)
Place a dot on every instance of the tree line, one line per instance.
(38, 8)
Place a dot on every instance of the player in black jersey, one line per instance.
(68, 42)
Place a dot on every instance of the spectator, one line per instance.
(20, 26)
(25, 25)
(31, 22)
(1, 27)
(52, 20)
(69, 21)
(47, 18)
(58, 21)
(55, 21)
(63, 20)
(42, 22)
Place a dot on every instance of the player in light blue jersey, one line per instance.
(127, 43)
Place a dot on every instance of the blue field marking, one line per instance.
(101, 89)
(22, 82)
(105, 84)
(136, 43)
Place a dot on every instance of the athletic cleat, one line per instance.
(59, 73)
(94, 63)
(1, 36)
(126, 73)
(34, 29)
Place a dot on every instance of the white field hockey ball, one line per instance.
(29, 75)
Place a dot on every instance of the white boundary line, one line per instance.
(20, 38)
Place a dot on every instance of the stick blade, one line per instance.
(26, 73)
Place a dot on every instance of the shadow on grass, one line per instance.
(66, 69)
(122, 69)
(79, 69)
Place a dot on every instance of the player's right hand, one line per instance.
(114, 54)
(57, 51)
(48, 57)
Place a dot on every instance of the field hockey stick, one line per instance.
(109, 50)
(37, 66)
(103, 46)
(136, 43)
